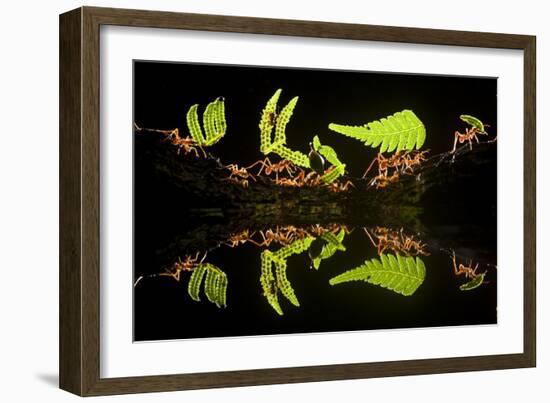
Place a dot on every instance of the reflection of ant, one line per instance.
(397, 241)
(174, 271)
(470, 273)
(242, 238)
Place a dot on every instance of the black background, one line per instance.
(162, 94)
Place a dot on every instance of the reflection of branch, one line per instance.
(402, 275)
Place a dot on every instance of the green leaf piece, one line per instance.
(334, 174)
(210, 286)
(213, 120)
(283, 283)
(222, 291)
(215, 284)
(400, 131)
(297, 157)
(194, 126)
(330, 155)
(282, 121)
(474, 122)
(267, 122)
(267, 280)
(402, 275)
(272, 284)
(219, 118)
(474, 283)
(334, 244)
(208, 122)
(193, 287)
(270, 119)
(294, 248)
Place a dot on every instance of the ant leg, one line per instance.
(457, 135)
(454, 264)
(194, 150)
(264, 163)
(370, 237)
(370, 166)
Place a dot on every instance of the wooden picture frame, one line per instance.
(80, 216)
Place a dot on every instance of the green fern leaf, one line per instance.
(297, 157)
(330, 155)
(400, 131)
(400, 274)
(193, 287)
(208, 122)
(219, 118)
(194, 126)
(283, 283)
(267, 122)
(282, 121)
(334, 174)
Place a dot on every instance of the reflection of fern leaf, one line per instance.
(400, 274)
(222, 290)
(210, 286)
(334, 243)
(283, 283)
(193, 288)
(215, 284)
(294, 248)
(400, 131)
(268, 282)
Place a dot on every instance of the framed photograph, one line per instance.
(249, 201)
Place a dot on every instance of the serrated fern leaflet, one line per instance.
(400, 131)
(277, 144)
(402, 275)
(215, 284)
(273, 283)
(214, 123)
